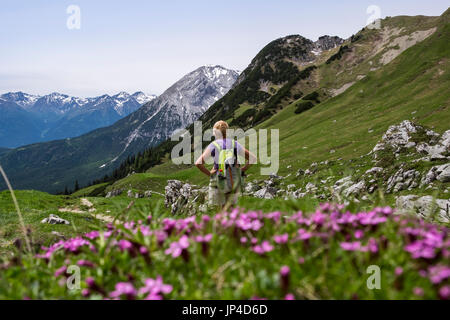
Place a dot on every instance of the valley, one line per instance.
(363, 180)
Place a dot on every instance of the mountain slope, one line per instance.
(346, 125)
(52, 165)
(3, 150)
(58, 116)
(17, 126)
(177, 107)
(272, 78)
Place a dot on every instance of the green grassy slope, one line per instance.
(413, 86)
(35, 206)
(260, 94)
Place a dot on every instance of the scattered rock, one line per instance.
(54, 219)
(113, 193)
(58, 234)
(355, 189)
(342, 184)
(273, 176)
(310, 188)
(148, 193)
(266, 193)
(251, 187)
(374, 171)
(290, 187)
(300, 173)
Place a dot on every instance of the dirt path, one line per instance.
(91, 209)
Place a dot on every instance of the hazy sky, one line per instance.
(148, 45)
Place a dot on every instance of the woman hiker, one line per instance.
(226, 176)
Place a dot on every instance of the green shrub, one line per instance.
(303, 106)
(313, 96)
(339, 54)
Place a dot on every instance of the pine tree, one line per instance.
(77, 186)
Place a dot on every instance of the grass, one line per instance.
(36, 206)
(226, 267)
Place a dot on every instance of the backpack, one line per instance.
(229, 174)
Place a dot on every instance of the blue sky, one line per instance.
(148, 45)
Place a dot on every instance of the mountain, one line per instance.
(180, 105)
(24, 100)
(50, 166)
(279, 73)
(329, 105)
(57, 116)
(17, 126)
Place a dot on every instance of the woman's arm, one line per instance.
(200, 163)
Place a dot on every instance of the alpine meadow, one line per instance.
(357, 208)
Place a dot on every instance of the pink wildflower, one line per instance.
(124, 289)
(281, 239)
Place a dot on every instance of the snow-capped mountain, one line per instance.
(20, 98)
(54, 164)
(179, 106)
(61, 116)
(142, 98)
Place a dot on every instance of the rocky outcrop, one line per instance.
(327, 42)
(396, 136)
(399, 159)
(440, 173)
(403, 180)
(184, 197)
(425, 207)
(341, 185)
(408, 135)
(355, 189)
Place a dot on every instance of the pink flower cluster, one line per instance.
(266, 235)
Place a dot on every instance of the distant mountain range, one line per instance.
(29, 118)
(50, 166)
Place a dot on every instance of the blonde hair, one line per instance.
(222, 127)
